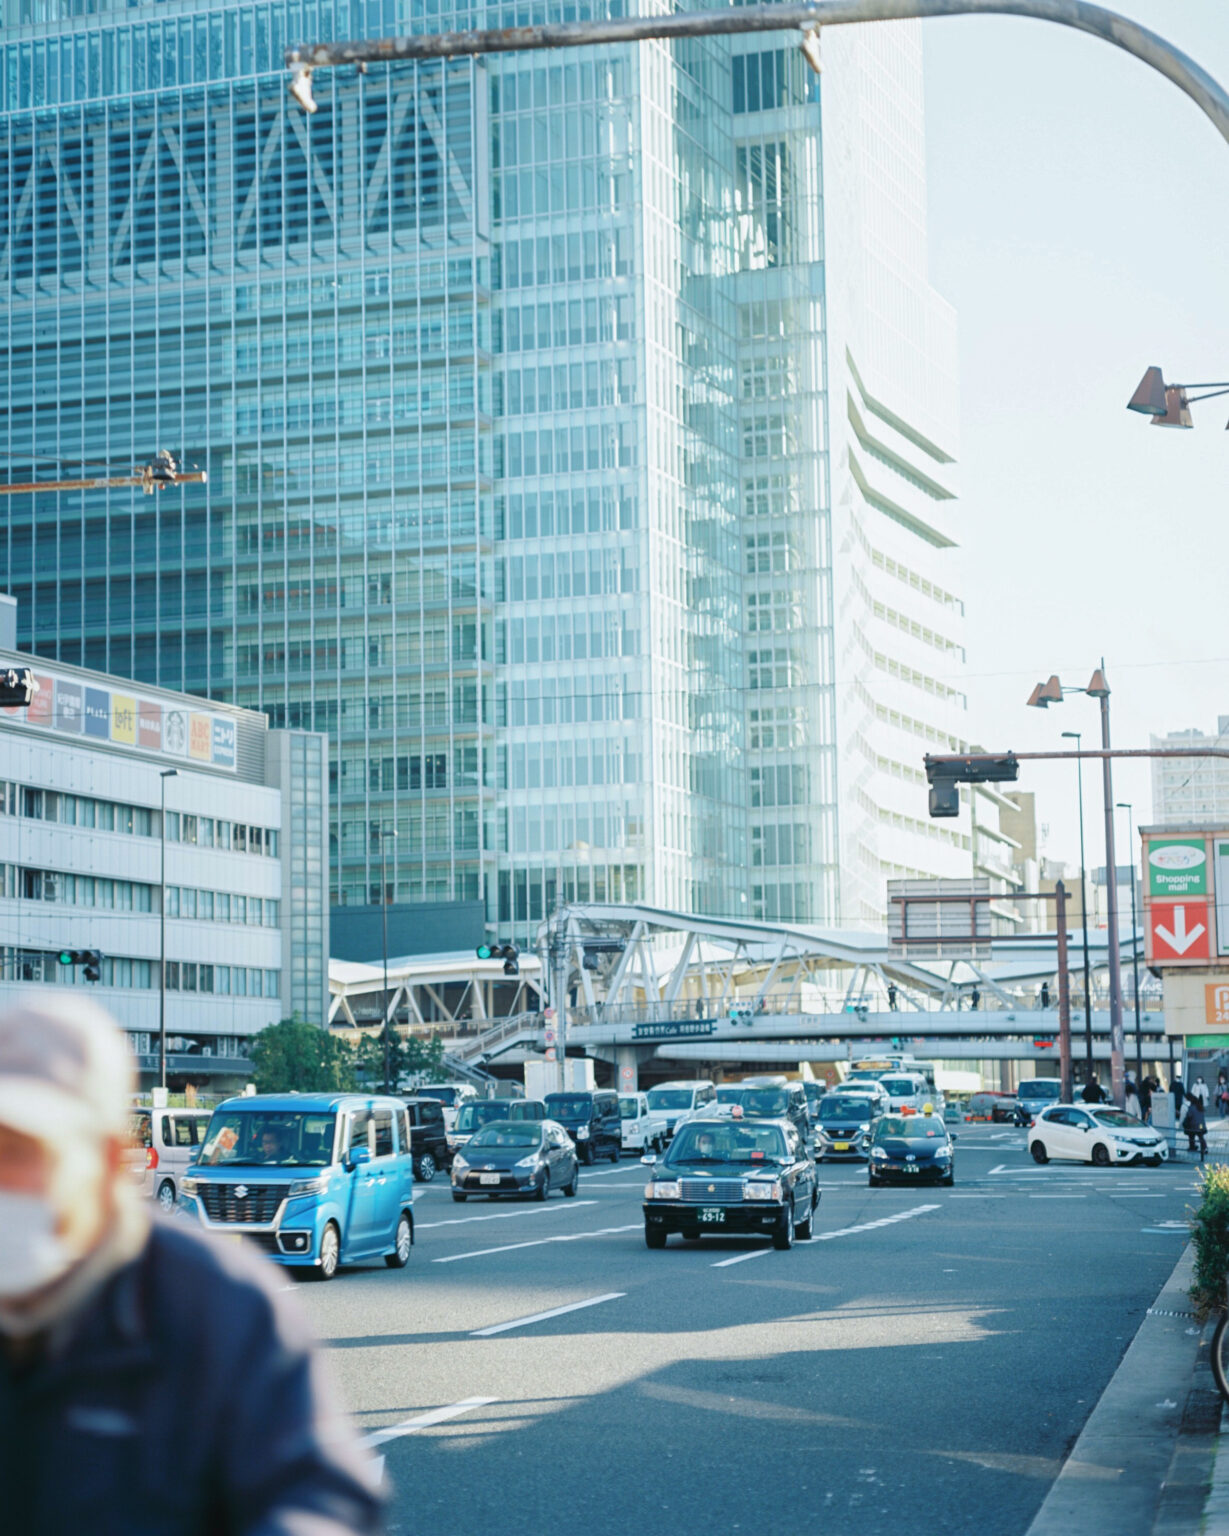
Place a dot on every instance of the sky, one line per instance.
(1079, 222)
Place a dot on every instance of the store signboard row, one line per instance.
(1186, 897)
(90, 712)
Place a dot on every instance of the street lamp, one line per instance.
(1169, 404)
(1079, 779)
(1125, 805)
(1052, 692)
(166, 773)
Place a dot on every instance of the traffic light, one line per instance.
(17, 687)
(89, 959)
(508, 953)
(946, 774)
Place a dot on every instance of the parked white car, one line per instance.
(1094, 1133)
(643, 1131)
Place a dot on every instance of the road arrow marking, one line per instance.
(1181, 939)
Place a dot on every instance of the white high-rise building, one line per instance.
(1192, 790)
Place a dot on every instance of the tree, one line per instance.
(295, 1056)
(408, 1056)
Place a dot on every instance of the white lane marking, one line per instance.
(606, 1173)
(377, 1467)
(425, 1421)
(977, 1197)
(1132, 1194)
(538, 1242)
(1058, 1197)
(541, 1317)
(529, 1210)
(826, 1237)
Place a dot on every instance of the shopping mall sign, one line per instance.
(1186, 898)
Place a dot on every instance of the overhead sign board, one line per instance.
(1220, 875)
(1177, 866)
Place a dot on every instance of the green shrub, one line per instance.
(1210, 1230)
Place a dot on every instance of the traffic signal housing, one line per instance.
(946, 774)
(508, 953)
(89, 959)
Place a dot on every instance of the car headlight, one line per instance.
(880, 1154)
(943, 1154)
(770, 1191)
(459, 1165)
(527, 1162)
(189, 1186)
(582, 1133)
(663, 1189)
(316, 1186)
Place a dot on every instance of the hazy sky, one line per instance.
(1079, 221)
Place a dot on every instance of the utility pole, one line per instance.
(1099, 689)
(1064, 990)
(167, 773)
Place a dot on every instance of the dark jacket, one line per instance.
(1144, 1092)
(187, 1401)
(1093, 1093)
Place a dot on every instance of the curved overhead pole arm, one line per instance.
(1096, 20)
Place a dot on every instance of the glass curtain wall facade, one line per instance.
(514, 380)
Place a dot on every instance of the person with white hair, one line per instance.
(151, 1378)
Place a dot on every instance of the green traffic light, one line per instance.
(484, 951)
(66, 957)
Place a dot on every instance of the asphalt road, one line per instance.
(927, 1361)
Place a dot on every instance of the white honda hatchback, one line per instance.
(1094, 1133)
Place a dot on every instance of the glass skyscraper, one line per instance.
(536, 422)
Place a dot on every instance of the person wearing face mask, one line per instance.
(151, 1378)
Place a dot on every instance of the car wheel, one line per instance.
(330, 1252)
(569, 1189)
(402, 1243)
(425, 1171)
(586, 1154)
(1101, 1155)
(543, 1189)
(1040, 1155)
(166, 1195)
(806, 1227)
(783, 1233)
(654, 1237)
(458, 1197)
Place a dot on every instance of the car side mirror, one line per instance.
(357, 1156)
(649, 1159)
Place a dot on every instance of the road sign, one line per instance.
(1220, 871)
(1179, 932)
(1177, 866)
(548, 1035)
(549, 1053)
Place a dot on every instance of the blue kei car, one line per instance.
(317, 1180)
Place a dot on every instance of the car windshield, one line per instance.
(843, 1109)
(279, 1138)
(730, 1094)
(727, 1142)
(629, 1109)
(670, 1098)
(916, 1127)
(444, 1095)
(766, 1101)
(504, 1133)
(471, 1116)
(900, 1087)
(1118, 1117)
(1038, 1090)
(564, 1108)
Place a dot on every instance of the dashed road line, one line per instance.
(827, 1237)
(541, 1317)
(425, 1421)
(529, 1210)
(538, 1242)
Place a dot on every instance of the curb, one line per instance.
(1114, 1480)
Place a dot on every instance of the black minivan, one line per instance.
(592, 1120)
(428, 1138)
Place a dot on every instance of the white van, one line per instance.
(450, 1095)
(907, 1092)
(163, 1141)
(674, 1100)
(643, 1131)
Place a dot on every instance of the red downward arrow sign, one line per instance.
(1182, 937)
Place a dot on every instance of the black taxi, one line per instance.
(732, 1176)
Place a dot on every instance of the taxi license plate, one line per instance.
(840, 1146)
(488, 1178)
(909, 1168)
(712, 1213)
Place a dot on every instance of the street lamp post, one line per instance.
(1125, 805)
(167, 773)
(1079, 778)
(385, 1033)
(1052, 692)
